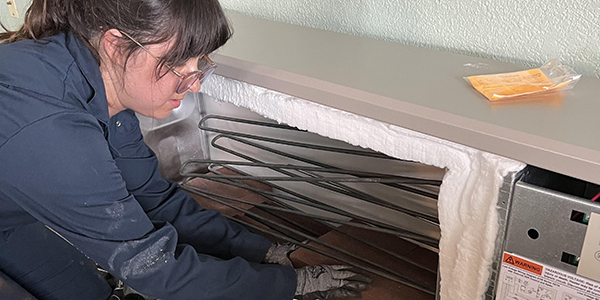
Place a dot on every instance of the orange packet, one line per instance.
(500, 86)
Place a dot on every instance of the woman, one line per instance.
(72, 160)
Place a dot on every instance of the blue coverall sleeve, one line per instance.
(61, 171)
(206, 230)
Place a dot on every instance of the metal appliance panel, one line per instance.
(547, 212)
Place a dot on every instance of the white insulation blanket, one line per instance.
(468, 194)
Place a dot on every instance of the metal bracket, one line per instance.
(12, 8)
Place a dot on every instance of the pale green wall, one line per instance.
(5, 17)
(522, 31)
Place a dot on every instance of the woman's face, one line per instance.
(144, 92)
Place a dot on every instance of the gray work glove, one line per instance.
(326, 281)
(280, 254)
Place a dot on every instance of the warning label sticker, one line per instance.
(523, 279)
(523, 264)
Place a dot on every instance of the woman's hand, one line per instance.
(330, 281)
(280, 254)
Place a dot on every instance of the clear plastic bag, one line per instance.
(550, 77)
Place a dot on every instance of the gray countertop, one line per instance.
(418, 89)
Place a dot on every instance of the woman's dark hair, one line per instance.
(198, 26)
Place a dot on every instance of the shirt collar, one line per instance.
(89, 67)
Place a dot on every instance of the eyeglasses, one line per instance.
(205, 68)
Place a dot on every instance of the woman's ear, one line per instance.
(110, 43)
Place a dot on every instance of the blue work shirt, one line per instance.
(94, 181)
